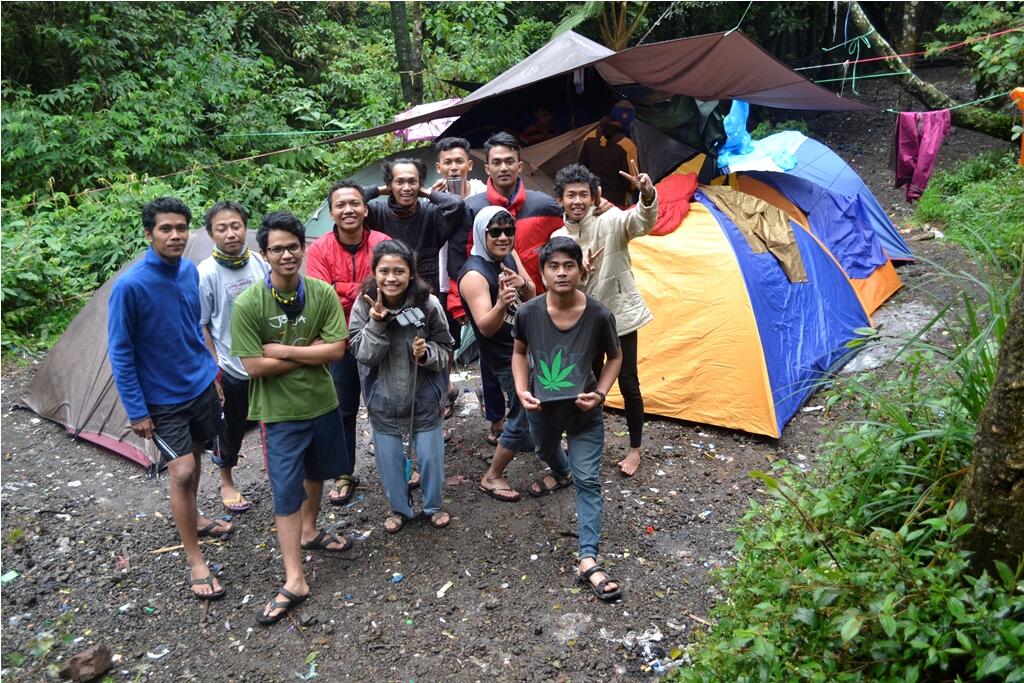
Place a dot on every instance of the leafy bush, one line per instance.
(979, 204)
(854, 573)
(766, 128)
(998, 61)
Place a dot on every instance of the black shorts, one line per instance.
(180, 426)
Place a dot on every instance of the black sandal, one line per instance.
(290, 602)
(208, 581)
(598, 588)
(344, 479)
(323, 542)
(544, 488)
(449, 406)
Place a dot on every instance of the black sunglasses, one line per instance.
(495, 233)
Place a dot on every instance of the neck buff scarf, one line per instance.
(291, 305)
(402, 211)
(232, 262)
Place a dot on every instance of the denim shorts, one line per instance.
(300, 450)
(180, 426)
(515, 435)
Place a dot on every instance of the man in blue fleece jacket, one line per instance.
(165, 374)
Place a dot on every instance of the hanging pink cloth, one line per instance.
(919, 135)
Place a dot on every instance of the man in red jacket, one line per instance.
(342, 259)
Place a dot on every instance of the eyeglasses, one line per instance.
(495, 233)
(278, 250)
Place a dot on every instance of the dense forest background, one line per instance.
(106, 105)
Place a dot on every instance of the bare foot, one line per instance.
(631, 463)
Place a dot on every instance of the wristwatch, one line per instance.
(601, 394)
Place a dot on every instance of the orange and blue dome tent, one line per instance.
(740, 339)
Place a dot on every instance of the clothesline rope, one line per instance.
(962, 104)
(945, 48)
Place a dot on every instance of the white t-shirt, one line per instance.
(218, 288)
(475, 187)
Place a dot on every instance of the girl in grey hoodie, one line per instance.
(400, 337)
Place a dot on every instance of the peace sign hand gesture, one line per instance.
(590, 259)
(377, 310)
(640, 181)
(512, 278)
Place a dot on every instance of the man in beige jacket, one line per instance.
(604, 240)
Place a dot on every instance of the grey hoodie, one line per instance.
(384, 351)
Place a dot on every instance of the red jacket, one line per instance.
(327, 260)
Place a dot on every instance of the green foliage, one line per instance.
(854, 572)
(139, 100)
(766, 128)
(979, 204)
(997, 62)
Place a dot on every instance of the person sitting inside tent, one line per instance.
(424, 225)
(492, 285)
(287, 330)
(342, 259)
(562, 335)
(608, 276)
(222, 277)
(153, 317)
(400, 338)
(542, 128)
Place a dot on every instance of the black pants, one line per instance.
(345, 374)
(629, 387)
(236, 420)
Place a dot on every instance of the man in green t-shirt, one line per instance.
(287, 330)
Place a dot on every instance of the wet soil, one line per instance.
(492, 597)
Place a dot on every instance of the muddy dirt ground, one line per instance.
(81, 527)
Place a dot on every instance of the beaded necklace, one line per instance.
(291, 305)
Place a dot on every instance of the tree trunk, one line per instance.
(996, 124)
(995, 489)
(908, 28)
(410, 65)
(417, 51)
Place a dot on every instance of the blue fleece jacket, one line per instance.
(155, 340)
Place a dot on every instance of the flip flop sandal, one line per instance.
(398, 519)
(205, 581)
(437, 516)
(290, 602)
(323, 541)
(493, 437)
(236, 504)
(598, 588)
(449, 406)
(543, 487)
(493, 493)
(340, 482)
(414, 482)
(210, 529)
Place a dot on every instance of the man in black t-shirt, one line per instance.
(559, 335)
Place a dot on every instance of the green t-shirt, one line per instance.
(308, 391)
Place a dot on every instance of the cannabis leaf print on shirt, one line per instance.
(552, 377)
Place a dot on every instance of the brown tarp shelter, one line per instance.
(716, 66)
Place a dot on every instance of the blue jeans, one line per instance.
(345, 374)
(389, 455)
(585, 435)
(515, 435)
